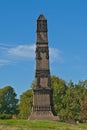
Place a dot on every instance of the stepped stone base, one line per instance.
(43, 115)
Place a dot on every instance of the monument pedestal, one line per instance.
(42, 107)
(42, 115)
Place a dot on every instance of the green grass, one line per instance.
(39, 125)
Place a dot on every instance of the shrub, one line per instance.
(5, 116)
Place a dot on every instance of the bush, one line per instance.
(5, 116)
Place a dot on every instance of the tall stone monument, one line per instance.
(42, 92)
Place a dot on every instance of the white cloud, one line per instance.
(4, 46)
(23, 51)
(28, 51)
(55, 55)
(4, 62)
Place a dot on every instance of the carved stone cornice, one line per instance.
(42, 49)
(43, 90)
(42, 43)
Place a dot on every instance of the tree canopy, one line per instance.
(25, 105)
(8, 101)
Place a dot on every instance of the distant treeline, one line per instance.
(69, 101)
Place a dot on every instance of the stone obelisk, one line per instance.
(42, 92)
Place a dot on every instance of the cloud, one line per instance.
(55, 55)
(10, 54)
(28, 52)
(23, 51)
(4, 62)
(4, 46)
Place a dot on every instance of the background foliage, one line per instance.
(8, 102)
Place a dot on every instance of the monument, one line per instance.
(42, 92)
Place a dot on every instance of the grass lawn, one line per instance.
(39, 125)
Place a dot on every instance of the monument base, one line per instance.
(43, 115)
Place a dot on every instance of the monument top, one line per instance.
(41, 17)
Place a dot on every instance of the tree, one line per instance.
(8, 101)
(25, 105)
(83, 110)
(59, 91)
(81, 89)
(64, 99)
(71, 103)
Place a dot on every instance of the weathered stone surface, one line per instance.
(42, 92)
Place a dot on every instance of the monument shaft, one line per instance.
(42, 92)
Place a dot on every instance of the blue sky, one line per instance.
(67, 34)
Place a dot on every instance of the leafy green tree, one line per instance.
(81, 89)
(25, 105)
(71, 104)
(59, 91)
(83, 110)
(65, 99)
(8, 101)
